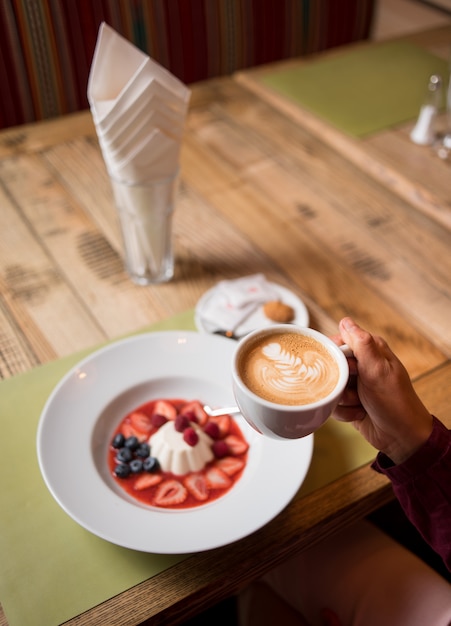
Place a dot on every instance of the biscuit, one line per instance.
(278, 311)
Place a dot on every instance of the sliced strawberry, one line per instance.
(236, 445)
(166, 409)
(141, 421)
(129, 431)
(169, 493)
(223, 422)
(144, 481)
(230, 465)
(217, 479)
(197, 486)
(158, 420)
(196, 410)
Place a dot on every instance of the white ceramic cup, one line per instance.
(290, 374)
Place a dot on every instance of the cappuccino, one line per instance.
(288, 368)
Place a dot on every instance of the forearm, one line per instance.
(422, 485)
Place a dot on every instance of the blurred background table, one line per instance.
(387, 155)
(264, 189)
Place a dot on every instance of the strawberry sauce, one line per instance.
(138, 473)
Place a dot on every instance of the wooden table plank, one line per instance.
(16, 354)
(320, 211)
(34, 138)
(320, 175)
(47, 313)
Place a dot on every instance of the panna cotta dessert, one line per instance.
(175, 454)
(171, 454)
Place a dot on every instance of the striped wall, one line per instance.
(46, 46)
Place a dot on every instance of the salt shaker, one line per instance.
(423, 131)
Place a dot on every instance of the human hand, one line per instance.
(383, 405)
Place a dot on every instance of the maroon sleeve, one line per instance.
(422, 485)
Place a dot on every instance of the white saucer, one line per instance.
(257, 319)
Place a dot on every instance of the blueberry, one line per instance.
(118, 441)
(151, 464)
(142, 451)
(131, 442)
(122, 470)
(136, 466)
(124, 455)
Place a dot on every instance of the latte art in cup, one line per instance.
(287, 380)
(288, 368)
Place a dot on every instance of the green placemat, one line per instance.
(51, 569)
(363, 90)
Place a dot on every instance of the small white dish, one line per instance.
(257, 319)
(82, 412)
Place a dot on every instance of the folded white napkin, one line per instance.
(138, 108)
(153, 158)
(233, 301)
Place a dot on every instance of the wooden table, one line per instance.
(354, 227)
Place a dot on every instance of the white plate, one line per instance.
(82, 412)
(257, 319)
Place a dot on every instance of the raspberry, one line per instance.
(190, 415)
(190, 436)
(212, 430)
(158, 420)
(220, 449)
(181, 422)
